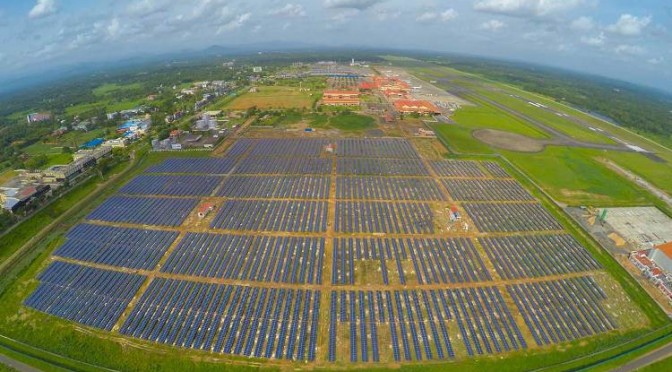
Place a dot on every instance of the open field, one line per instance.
(485, 117)
(274, 97)
(569, 128)
(106, 89)
(108, 104)
(71, 139)
(7, 175)
(344, 121)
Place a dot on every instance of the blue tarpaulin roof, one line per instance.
(93, 143)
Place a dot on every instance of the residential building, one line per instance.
(37, 117)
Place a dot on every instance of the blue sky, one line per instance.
(630, 40)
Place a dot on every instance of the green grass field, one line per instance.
(108, 104)
(273, 97)
(106, 89)
(564, 125)
(483, 116)
(573, 177)
(7, 175)
(351, 122)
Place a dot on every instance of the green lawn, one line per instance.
(105, 89)
(55, 145)
(43, 148)
(485, 116)
(108, 104)
(273, 97)
(569, 175)
(459, 139)
(564, 125)
(658, 174)
(58, 159)
(351, 122)
(572, 176)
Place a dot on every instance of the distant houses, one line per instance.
(37, 117)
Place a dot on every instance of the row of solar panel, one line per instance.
(283, 323)
(485, 323)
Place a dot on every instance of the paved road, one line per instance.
(645, 360)
(22, 367)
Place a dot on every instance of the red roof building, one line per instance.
(662, 256)
(340, 94)
(408, 106)
(340, 98)
(367, 85)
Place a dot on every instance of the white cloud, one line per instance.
(597, 40)
(289, 10)
(344, 15)
(522, 8)
(387, 14)
(492, 25)
(235, 23)
(149, 7)
(629, 25)
(351, 4)
(445, 16)
(656, 60)
(43, 8)
(448, 15)
(582, 24)
(426, 17)
(114, 28)
(625, 49)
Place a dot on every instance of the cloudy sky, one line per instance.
(626, 39)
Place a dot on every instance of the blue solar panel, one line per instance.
(116, 246)
(171, 185)
(228, 319)
(195, 165)
(85, 295)
(149, 211)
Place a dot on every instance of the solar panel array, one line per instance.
(380, 217)
(116, 246)
(272, 215)
(247, 279)
(171, 185)
(511, 217)
(144, 210)
(242, 320)
(83, 294)
(280, 187)
(486, 190)
(387, 188)
(417, 322)
(537, 255)
(562, 310)
(241, 257)
(434, 260)
(195, 165)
